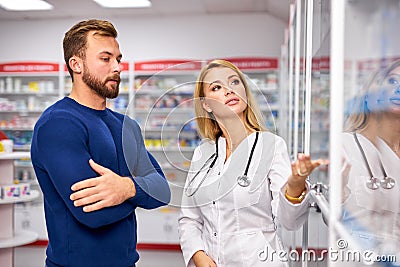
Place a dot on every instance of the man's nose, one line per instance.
(117, 67)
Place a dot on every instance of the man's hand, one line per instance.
(109, 189)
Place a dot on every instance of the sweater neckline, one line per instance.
(83, 108)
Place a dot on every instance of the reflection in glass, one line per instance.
(371, 164)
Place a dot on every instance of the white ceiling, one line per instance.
(64, 9)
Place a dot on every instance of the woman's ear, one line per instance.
(206, 107)
(75, 63)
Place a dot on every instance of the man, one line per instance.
(91, 162)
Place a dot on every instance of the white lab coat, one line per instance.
(235, 225)
(371, 216)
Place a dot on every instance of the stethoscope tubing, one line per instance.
(374, 183)
(246, 181)
(212, 157)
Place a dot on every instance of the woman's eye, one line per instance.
(216, 87)
(393, 81)
(235, 82)
(106, 59)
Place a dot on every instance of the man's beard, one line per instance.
(99, 87)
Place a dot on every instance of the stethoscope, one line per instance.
(242, 180)
(374, 183)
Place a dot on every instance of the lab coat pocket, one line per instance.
(376, 200)
(263, 251)
(242, 197)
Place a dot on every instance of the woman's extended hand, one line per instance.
(301, 169)
(201, 259)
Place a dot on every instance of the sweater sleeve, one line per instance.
(155, 164)
(152, 189)
(60, 156)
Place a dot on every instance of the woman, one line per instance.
(371, 150)
(240, 183)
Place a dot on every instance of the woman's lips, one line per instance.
(232, 101)
(395, 100)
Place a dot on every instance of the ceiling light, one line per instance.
(124, 3)
(25, 5)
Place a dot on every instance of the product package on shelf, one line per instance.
(15, 191)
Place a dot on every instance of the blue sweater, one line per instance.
(65, 137)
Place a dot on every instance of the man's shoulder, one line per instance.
(128, 122)
(60, 112)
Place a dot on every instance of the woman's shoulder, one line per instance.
(204, 149)
(272, 136)
(205, 144)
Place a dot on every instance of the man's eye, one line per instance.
(106, 59)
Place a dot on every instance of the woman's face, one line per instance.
(390, 94)
(224, 93)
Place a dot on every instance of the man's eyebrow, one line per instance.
(105, 52)
(110, 54)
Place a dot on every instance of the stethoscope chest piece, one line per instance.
(388, 183)
(373, 183)
(243, 181)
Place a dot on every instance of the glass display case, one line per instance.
(349, 112)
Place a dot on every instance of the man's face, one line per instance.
(102, 65)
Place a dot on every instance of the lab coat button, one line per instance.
(215, 234)
(214, 202)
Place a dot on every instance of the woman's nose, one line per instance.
(397, 90)
(228, 90)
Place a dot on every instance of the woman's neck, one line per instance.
(389, 131)
(234, 132)
(387, 128)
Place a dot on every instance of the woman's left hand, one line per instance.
(301, 169)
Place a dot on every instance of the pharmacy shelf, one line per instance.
(33, 194)
(39, 94)
(20, 238)
(14, 155)
(9, 128)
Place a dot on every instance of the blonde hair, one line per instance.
(207, 125)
